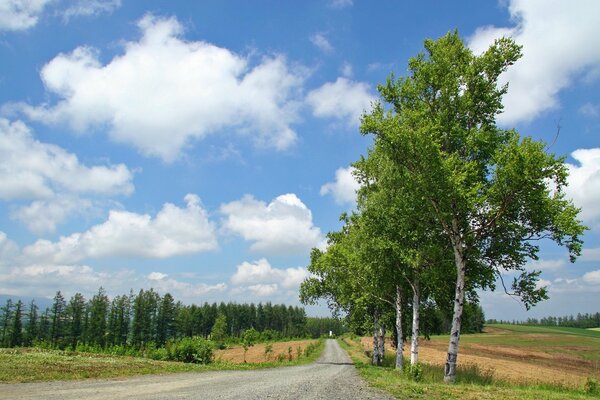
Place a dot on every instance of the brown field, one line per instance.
(256, 353)
(514, 362)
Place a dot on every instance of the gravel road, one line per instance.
(332, 377)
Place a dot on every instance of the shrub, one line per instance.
(191, 350)
(268, 351)
(280, 357)
(591, 386)
(415, 372)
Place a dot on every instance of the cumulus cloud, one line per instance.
(584, 183)
(85, 8)
(547, 265)
(590, 254)
(162, 283)
(344, 188)
(32, 169)
(262, 279)
(20, 15)
(592, 277)
(343, 99)
(321, 41)
(173, 231)
(52, 177)
(555, 36)
(283, 226)
(163, 92)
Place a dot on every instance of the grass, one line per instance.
(473, 382)
(35, 365)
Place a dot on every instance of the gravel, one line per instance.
(332, 377)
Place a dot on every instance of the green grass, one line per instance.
(36, 365)
(472, 383)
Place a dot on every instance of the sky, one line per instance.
(203, 148)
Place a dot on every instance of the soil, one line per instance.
(257, 354)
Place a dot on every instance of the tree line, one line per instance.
(583, 321)
(449, 203)
(148, 319)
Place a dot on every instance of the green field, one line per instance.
(546, 352)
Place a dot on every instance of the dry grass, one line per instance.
(256, 353)
(550, 359)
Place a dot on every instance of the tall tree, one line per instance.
(16, 338)
(165, 324)
(487, 188)
(7, 311)
(75, 311)
(32, 324)
(96, 331)
(57, 322)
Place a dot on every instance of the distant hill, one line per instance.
(41, 302)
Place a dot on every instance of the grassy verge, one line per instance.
(35, 365)
(472, 383)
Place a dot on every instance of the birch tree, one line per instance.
(493, 194)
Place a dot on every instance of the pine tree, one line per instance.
(16, 338)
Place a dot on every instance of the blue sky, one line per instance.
(202, 148)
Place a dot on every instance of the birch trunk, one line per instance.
(414, 345)
(381, 344)
(375, 338)
(459, 296)
(400, 342)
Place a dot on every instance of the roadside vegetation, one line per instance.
(507, 362)
(35, 364)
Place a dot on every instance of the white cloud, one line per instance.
(344, 188)
(283, 226)
(590, 254)
(340, 3)
(162, 283)
(542, 283)
(156, 276)
(547, 265)
(173, 231)
(261, 271)
(584, 183)
(261, 279)
(8, 250)
(592, 277)
(343, 100)
(52, 177)
(590, 110)
(347, 70)
(556, 38)
(43, 216)
(263, 290)
(20, 15)
(320, 40)
(32, 169)
(163, 92)
(84, 8)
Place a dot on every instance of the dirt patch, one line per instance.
(256, 353)
(512, 364)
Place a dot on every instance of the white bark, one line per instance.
(459, 296)
(381, 344)
(400, 342)
(414, 345)
(375, 338)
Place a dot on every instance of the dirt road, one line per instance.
(331, 377)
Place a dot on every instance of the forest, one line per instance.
(147, 319)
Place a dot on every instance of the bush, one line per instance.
(591, 386)
(415, 372)
(191, 350)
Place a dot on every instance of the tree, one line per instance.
(32, 324)
(96, 331)
(16, 338)
(6, 320)
(249, 337)
(493, 195)
(57, 322)
(218, 332)
(165, 324)
(75, 311)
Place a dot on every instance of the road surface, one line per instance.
(332, 377)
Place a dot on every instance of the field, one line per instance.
(256, 353)
(35, 365)
(504, 362)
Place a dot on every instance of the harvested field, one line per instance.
(256, 353)
(521, 356)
